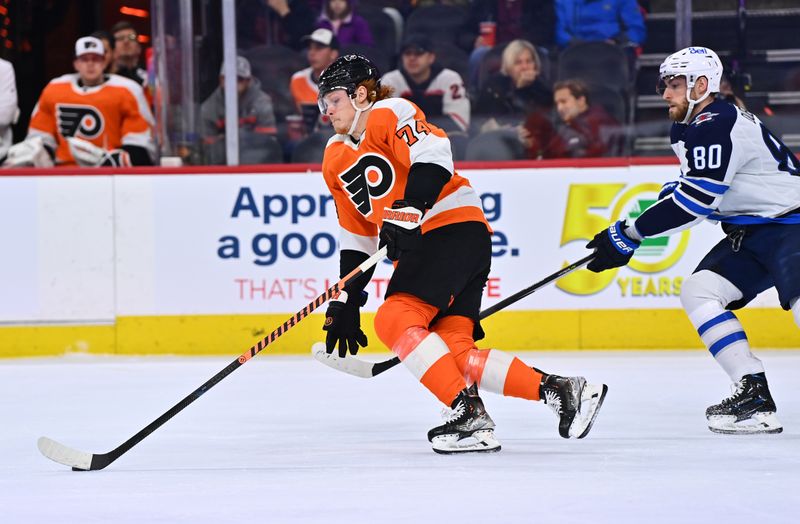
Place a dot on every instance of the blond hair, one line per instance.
(513, 50)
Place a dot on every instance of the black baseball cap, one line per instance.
(417, 42)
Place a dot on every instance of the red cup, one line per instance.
(488, 33)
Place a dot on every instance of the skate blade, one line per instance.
(757, 424)
(479, 442)
(592, 398)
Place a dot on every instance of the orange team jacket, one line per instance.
(366, 177)
(110, 115)
(304, 90)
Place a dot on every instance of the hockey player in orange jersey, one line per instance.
(392, 178)
(88, 118)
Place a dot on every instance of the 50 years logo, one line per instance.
(655, 256)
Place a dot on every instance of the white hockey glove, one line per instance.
(28, 153)
(87, 154)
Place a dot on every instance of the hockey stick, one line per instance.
(364, 369)
(82, 461)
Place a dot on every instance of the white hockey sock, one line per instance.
(725, 339)
(491, 366)
(704, 295)
(796, 310)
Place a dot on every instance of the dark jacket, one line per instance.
(500, 98)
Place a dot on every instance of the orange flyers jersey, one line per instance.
(366, 177)
(110, 115)
(304, 90)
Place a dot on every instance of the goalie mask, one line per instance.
(346, 73)
(691, 63)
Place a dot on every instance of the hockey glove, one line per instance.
(401, 227)
(29, 152)
(87, 154)
(668, 188)
(612, 248)
(343, 324)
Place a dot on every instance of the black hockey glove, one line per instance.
(343, 324)
(612, 248)
(401, 230)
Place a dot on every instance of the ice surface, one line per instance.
(290, 440)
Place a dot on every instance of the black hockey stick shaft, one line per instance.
(380, 367)
(100, 461)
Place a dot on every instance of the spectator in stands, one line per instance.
(323, 49)
(585, 130)
(256, 117)
(614, 21)
(517, 89)
(88, 118)
(339, 16)
(438, 91)
(507, 20)
(273, 22)
(128, 53)
(8, 105)
(108, 47)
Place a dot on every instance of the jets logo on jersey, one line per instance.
(704, 117)
(74, 120)
(372, 176)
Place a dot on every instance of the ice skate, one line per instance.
(750, 409)
(467, 427)
(575, 402)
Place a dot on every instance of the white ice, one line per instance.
(289, 440)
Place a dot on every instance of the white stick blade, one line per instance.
(352, 366)
(62, 454)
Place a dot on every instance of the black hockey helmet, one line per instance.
(346, 72)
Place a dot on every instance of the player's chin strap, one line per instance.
(692, 103)
(358, 114)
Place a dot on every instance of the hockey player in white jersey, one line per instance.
(736, 172)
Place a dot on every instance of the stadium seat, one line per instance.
(383, 27)
(611, 100)
(597, 62)
(452, 57)
(437, 22)
(274, 67)
(259, 150)
(501, 144)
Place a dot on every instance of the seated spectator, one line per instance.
(349, 28)
(272, 22)
(323, 49)
(88, 118)
(497, 22)
(128, 53)
(439, 92)
(256, 116)
(614, 21)
(517, 89)
(585, 130)
(8, 105)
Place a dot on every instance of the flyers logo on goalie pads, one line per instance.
(372, 176)
(74, 120)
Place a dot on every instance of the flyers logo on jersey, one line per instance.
(372, 176)
(75, 119)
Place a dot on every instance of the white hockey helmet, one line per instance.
(692, 63)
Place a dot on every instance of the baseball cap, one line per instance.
(89, 45)
(242, 68)
(324, 37)
(417, 42)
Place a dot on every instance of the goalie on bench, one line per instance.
(88, 118)
(735, 171)
(392, 178)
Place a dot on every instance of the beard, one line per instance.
(678, 113)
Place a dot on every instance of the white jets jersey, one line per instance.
(734, 170)
(443, 94)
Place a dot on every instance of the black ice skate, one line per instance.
(575, 402)
(750, 409)
(467, 427)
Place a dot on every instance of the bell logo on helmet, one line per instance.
(698, 50)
